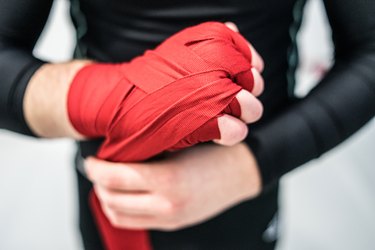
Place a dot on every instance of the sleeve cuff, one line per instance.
(17, 68)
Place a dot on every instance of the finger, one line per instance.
(232, 130)
(251, 80)
(130, 203)
(134, 222)
(245, 107)
(116, 176)
(256, 60)
(258, 82)
(232, 26)
(206, 132)
(250, 107)
(234, 108)
(245, 79)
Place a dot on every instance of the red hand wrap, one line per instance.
(169, 98)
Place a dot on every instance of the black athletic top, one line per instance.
(292, 131)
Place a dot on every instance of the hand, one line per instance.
(186, 189)
(194, 83)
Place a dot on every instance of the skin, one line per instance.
(45, 102)
(187, 188)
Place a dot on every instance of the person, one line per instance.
(209, 189)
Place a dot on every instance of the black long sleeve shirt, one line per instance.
(292, 131)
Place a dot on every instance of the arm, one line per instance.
(21, 25)
(340, 105)
(44, 102)
(22, 22)
(33, 97)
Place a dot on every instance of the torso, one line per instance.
(118, 30)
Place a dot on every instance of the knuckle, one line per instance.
(101, 194)
(112, 203)
(102, 198)
(116, 219)
(241, 132)
(113, 219)
(238, 132)
(173, 226)
(117, 222)
(168, 177)
(257, 111)
(112, 181)
(174, 208)
(169, 209)
(108, 199)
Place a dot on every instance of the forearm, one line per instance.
(339, 106)
(342, 103)
(45, 100)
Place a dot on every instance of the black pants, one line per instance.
(250, 225)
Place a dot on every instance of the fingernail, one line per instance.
(232, 26)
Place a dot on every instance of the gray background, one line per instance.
(327, 204)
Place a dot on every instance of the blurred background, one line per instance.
(327, 204)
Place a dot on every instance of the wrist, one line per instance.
(45, 100)
(94, 97)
